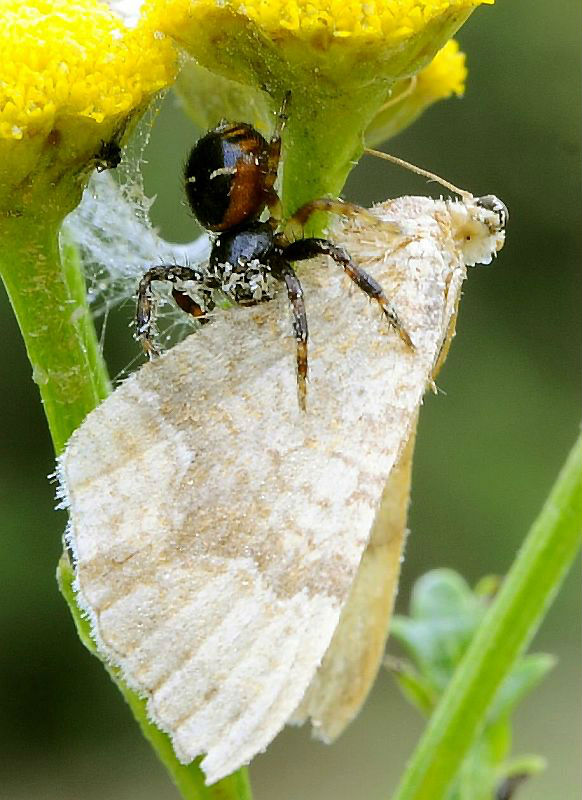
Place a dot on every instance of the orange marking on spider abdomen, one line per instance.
(248, 195)
(248, 189)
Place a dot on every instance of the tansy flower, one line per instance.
(340, 60)
(444, 76)
(354, 41)
(73, 75)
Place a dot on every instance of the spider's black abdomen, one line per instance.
(225, 176)
(254, 242)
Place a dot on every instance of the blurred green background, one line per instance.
(488, 449)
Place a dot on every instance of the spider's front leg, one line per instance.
(309, 248)
(144, 318)
(273, 157)
(286, 273)
(330, 205)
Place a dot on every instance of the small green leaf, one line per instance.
(528, 672)
(442, 594)
(444, 616)
(412, 686)
(476, 779)
(497, 738)
(487, 587)
(525, 765)
(514, 773)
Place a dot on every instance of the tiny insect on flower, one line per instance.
(75, 79)
(109, 156)
(222, 537)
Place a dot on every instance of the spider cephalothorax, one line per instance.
(229, 179)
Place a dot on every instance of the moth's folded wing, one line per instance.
(217, 529)
(351, 663)
(215, 543)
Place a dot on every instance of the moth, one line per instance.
(238, 557)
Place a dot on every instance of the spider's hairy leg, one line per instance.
(273, 158)
(300, 330)
(330, 205)
(282, 118)
(309, 248)
(275, 209)
(144, 318)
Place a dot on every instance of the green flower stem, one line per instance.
(49, 302)
(506, 630)
(188, 777)
(75, 278)
(323, 139)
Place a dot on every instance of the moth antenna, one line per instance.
(419, 171)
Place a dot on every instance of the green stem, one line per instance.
(49, 302)
(322, 142)
(73, 271)
(509, 625)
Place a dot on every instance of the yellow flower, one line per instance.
(444, 76)
(325, 20)
(354, 39)
(72, 76)
(339, 59)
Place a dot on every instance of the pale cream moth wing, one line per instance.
(353, 658)
(216, 528)
(465, 234)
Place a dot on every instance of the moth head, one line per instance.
(479, 228)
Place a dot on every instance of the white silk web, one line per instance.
(117, 242)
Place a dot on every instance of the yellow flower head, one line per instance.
(72, 75)
(361, 39)
(339, 59)
(322, 21)
(62, 59)
(445, 75)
